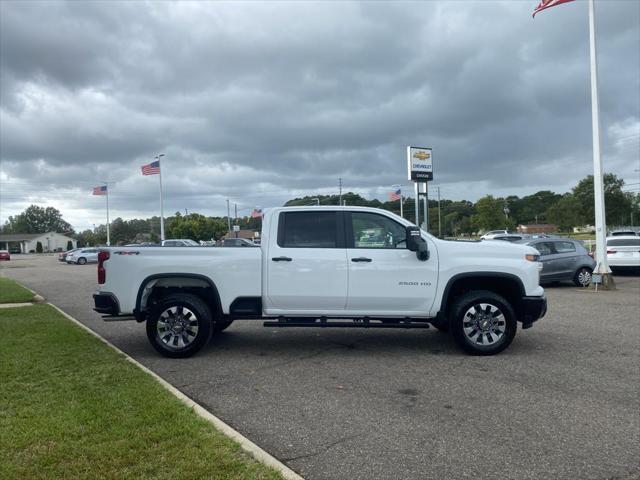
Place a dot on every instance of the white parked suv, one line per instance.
(324, 267)
(493, 233)
(623, 251)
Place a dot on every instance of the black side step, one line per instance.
(118, 318)
(353, 324)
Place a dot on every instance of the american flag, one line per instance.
(395, 195)
(151, 169)
(101, 190)
(544, 4)
(257, 213)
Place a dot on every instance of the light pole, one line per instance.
(158, 157)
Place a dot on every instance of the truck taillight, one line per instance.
(102, 273)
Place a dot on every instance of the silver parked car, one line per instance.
(82, 256)
(563, 259)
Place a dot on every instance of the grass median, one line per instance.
(11, 292)
(71, 407)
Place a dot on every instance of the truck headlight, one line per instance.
(532, 257)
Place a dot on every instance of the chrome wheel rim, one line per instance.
(584, 277)
(177, 327)
(484, 324)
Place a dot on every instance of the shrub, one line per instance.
(39, 247)
(69, 245)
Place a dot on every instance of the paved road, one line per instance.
(561, 402)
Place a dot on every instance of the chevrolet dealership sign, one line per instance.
(420, 164)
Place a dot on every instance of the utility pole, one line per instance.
(235, 207)
(340, 186)
(439, 216)
(158, 157)
(602, 266)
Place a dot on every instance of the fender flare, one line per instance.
(217, 304)
(447, 289)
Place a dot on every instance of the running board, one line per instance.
(118, 318)
(360, 323)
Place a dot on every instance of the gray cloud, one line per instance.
(262, 101)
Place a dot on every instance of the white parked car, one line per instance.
(326, 267)
(82, 256)
(623, 251)
(493, 233)
(180, 242)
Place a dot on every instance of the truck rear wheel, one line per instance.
(179, 325)
(483, 322)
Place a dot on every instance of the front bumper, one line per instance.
(106, 303)
(533, 308)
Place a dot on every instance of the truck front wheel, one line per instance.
(179, 325)
(483, 322)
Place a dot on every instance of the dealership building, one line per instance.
(28, 242)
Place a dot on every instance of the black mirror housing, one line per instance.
(416, 243)
(413, 238)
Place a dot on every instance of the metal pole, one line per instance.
(439, 216)
(235, 207)
(417, 205)
(228, 216)
(601, 237)
(108, 238)
(426, 206)
(340, 185)
(401, 213)
(161, 206)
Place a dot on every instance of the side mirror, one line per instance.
(416, 243)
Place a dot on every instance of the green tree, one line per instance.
(39, 247)
(489, 214)
(69, 245)
(617, 204)
(565, 213)
(37, 219)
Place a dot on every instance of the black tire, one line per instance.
(166, 339)
(221, 326)
(582, 277)
(82, 261)
(501, 330)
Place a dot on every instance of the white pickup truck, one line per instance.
(326, 267)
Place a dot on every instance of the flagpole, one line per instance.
(602, 266)
(161, 209)
(108, 238)
(401, 214)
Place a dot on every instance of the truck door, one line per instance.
(307, 264)
(384, 277)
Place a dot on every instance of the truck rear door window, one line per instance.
(308, 230)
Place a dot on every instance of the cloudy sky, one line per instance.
(261, 102)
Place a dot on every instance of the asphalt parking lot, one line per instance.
(562, 402)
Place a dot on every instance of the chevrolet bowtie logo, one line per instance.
(422, 155)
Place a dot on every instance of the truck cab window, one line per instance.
(371, 230)
(308, 230)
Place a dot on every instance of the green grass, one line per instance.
(11, 292)
(70, 407)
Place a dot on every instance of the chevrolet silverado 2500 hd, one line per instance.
(326, 267)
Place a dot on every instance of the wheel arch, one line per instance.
(508, 285)
(199, 285)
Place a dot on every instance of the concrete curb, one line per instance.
(14, 305)
(247, 445)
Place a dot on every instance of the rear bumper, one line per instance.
(533, 308)
(106, 303)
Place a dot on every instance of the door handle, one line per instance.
(281, 259)
(361, 259)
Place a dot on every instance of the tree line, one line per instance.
(453, 218)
